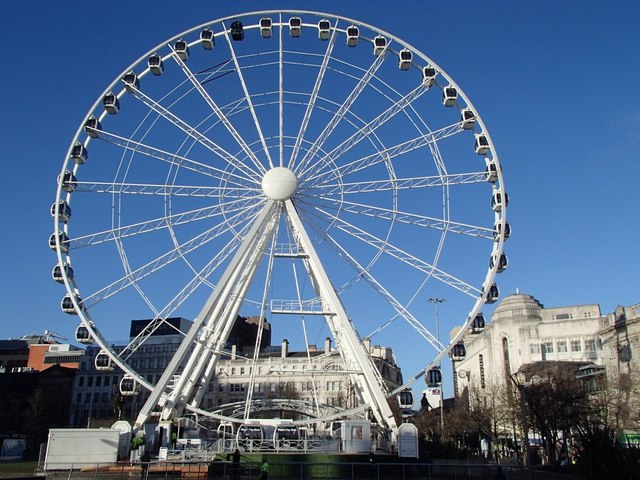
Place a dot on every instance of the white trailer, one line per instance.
(70, 448)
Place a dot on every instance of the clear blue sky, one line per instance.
(555, 82)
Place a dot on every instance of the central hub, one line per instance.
(279, 183)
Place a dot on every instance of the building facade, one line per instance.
(522, 331)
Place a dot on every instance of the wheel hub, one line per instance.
(279, 183)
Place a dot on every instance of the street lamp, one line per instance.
(436, 301)
(519, 379)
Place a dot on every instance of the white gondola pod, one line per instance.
(478, 324)
(266, 28)
(207, 39)
(324, 29)
(59, 273)
(62, 212)
(433, 377)
(79, 153)
(131, 82)
(499, 200)
(92, 127)
(405, 399)
(182, 50)
(103, 361)
(493, 295)
(237, 31)
(429, 75)
(128, 386)
(83, 335)
(295, 26)
(500, 260)
(67, 304)
(379, 45)
(67, 181)
(226, 430)
(467, 118)
(353, 33)
(481, 144)
(111, 103)
(405, 58)
(458, 352)
(497, 230)
(155, 64)
(449, 96)
(491, 172)
(63, 240)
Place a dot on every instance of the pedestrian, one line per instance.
(236, 465)
(264, 470)
(424, 402)
(145, 459)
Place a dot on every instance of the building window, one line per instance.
(90, 382)
(236, 387)
(534, 348)
(562, 346)
(79, 398)
(576, 346)
(98, 381)
(241, 370)
(590, 345)
(233, 370)
(547, 347)
(106, 381)
(81, 381)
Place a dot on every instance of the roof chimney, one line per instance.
(327, 345)
(367, 344)
(285, 348)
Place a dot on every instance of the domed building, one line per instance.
(523, 331)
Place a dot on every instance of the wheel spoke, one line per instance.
(165, 190)
(161, 223)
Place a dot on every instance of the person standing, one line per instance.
(264, 470)
(236, 465)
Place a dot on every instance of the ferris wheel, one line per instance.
(297, 166)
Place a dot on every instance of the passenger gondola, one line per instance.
(491, 172)
(499, 200)
(295, 26)
(493, 295)
(379, 45)
(502, 262)
(405, 59)
(103, 361)
(182, 50)
(497, 230)
(265, 27)
(468, 119)
(405, 399)
(63, 240)
(82, 335)
(324, 29)
(237, 31)
(434, 377)
(92, 127)
(111, 103)
(79, 153)
(156, 65)
(68, 306)
(449, 96)
(208, 39)
(131, 82)
(129, 386)
(428, 75)
(481, 144)
(67, 181)
(477, 326)
(458, 352)
(61, 210)
(353, 33)
(59, 273)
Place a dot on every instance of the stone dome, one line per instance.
(518, 306)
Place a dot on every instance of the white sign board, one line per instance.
(407, 441)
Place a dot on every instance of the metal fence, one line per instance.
(292, 470)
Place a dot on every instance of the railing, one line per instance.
(335, 470)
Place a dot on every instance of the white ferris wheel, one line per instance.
(297, 166)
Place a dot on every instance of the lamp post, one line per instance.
(518, 379)
(436, 301)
